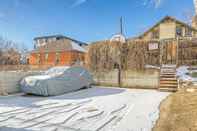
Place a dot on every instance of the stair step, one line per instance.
(168, 66)
(168, 79)
(168, 86)
(167, 76)
(167, 72)
(168, 82)
(165, 68)
(168, 89)
(169, 69)
(171, 72)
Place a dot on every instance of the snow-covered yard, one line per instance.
(95, 109)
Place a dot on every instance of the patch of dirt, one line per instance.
(178, 112)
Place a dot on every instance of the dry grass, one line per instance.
(178, 112)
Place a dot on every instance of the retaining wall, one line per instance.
(146, 79)
(9, 80)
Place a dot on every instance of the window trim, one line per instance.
(181, 31)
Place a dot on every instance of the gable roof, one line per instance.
(60, 36)
(60, 46)
(167, 18)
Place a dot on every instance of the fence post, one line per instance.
(177, 52)
(2, 92)
(160, 52)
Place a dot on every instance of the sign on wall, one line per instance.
(153, 46)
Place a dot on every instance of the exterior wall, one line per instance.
(149, 35)
(194, 34)
(167, 30)
(147, 79)
(9, 80)
(194, 22)
(32, 59)
(65, 58)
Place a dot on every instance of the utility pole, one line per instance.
(121, 26)
(121, 52)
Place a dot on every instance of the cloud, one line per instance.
(158, 3)
(78, 3)
(155, 3)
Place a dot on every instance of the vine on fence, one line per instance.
(104, 56)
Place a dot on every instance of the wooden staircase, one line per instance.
(168, 80)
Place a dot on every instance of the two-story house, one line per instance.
(57, 50)
(169, 28)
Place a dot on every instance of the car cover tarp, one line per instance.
(73, 78)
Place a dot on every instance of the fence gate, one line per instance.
(168, 52)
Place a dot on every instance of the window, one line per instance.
(155, 34)
(57, 58)
(58, 38)
(46, 57)
(38, 59)
(153, 46)
(42, 41)
(50, 40)
(188, 32)
(179, 31)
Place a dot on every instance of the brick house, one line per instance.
(56, 51)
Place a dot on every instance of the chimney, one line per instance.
(194, 20)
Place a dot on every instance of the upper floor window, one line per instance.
(46, 56)
(188, 32)
(57, 58)
(38, 59)
(155, 34)
(58, 38)
(179, 31)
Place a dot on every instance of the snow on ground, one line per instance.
(184, 74)
(95, 109)
(152, 67)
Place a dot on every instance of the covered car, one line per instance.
(57, 81)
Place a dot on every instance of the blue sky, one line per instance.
(85, 20)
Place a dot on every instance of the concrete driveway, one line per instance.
(95, 109)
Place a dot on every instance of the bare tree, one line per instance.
(9, 52)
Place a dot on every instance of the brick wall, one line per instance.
(65, 58)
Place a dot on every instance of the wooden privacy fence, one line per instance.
(130, 55)
(187, 52)
(123, 64)
(136, 54)
(180, 51)
(133, 56)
